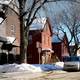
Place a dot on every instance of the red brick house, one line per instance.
(60, 46)
(10, 27)
(40, 47)
(13, 28)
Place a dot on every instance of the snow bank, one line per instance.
(31, 68)
(60, 64)
(17, 67)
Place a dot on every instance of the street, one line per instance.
(61, 76)
(52, 75)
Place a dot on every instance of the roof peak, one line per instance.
(40, 20)
(38, 23)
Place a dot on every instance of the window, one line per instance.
(13, 30)
(30, 39)
(44, 39)
(48, 40)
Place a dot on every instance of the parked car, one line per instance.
(71, 63)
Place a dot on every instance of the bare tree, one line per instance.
(72, 25)
(30, 12)
(28, 9)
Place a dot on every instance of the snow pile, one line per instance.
(60, 64)
(17, 67)
(31, 68)
(48, 67)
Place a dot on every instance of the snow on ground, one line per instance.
(61, 64)
(31, 67)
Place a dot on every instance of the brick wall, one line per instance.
(13, 28)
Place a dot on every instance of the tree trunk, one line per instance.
(22, 33)
(22, 50)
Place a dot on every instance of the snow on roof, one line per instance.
(38, 24)
(47, 49)
(5, 1)
(7, 39)
(10, 39)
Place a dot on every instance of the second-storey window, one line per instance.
(30, 39)
(13, 30)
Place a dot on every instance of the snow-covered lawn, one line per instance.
(31, 67)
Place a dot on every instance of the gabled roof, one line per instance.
(38, 24)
